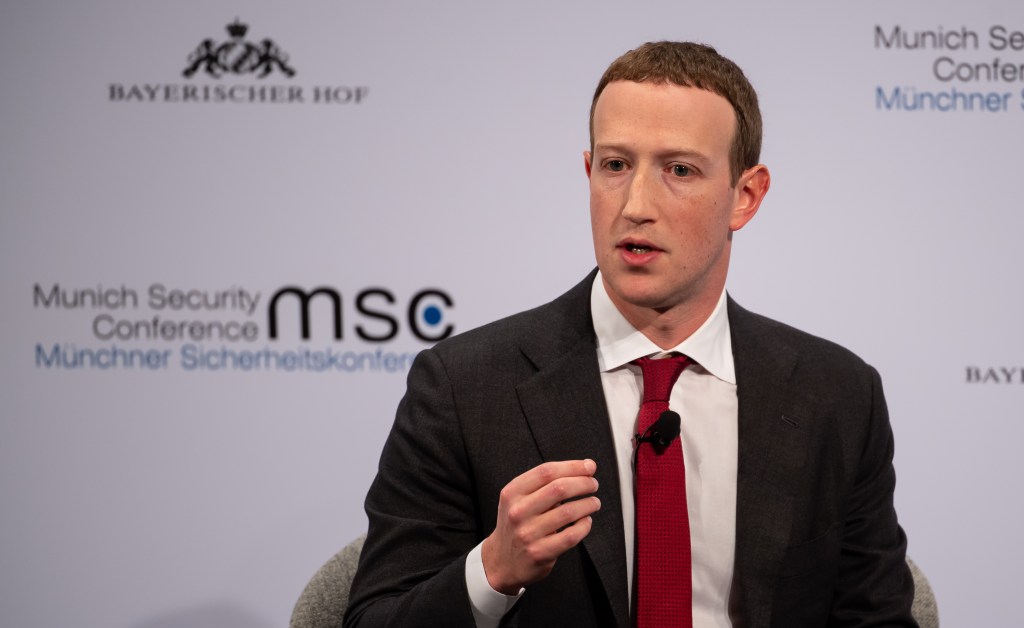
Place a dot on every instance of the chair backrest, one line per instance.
(324, 600)
(925, 610)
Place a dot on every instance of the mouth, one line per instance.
(638, 247)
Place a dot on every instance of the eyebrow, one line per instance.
(667, 154)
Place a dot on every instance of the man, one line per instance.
(506, 489)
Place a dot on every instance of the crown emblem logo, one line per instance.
(238, 56)
(237, 30)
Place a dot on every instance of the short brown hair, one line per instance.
(694, 65)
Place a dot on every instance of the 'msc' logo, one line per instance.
(425, 313)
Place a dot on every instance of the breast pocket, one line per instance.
(814, 556)
(806, 583)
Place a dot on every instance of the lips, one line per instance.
(637, 251)
(637, 246)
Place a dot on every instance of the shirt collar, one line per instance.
(619, 343)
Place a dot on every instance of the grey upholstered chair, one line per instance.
(324, 600)
(925, 610)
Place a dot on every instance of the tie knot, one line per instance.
(661, 375)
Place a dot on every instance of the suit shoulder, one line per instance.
(549, 326)
(495, 334)
(818, 351)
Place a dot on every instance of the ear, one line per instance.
(750, 190)
(586, 161)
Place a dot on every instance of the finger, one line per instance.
(546, 473)
(555, 520)
(550, 547)
(567, 514)
(550, 496)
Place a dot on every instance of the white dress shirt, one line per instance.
(705, 398)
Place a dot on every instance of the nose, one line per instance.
(638, 206)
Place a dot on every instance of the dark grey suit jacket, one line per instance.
(817, 541)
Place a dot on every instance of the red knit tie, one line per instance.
(664, 588)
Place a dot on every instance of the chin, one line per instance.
(651, 302)
(634, 292)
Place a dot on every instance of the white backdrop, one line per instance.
(162, 494)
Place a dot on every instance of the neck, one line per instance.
(667, 327)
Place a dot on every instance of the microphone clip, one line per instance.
(660, 433)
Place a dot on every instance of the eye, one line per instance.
(680, 170)
(615, 165)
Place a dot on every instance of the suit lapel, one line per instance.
(772, 453)
(565, 408)
(564, 405)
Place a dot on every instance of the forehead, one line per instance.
(665, 116)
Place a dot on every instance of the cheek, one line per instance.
(598, 224)
(602, 208)
(699, 226)
(715, 214)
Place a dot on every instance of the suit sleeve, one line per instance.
(423, 516)
(874, 587)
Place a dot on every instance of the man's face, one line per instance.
(662, 203)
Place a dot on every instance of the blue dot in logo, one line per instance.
(432, 315)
